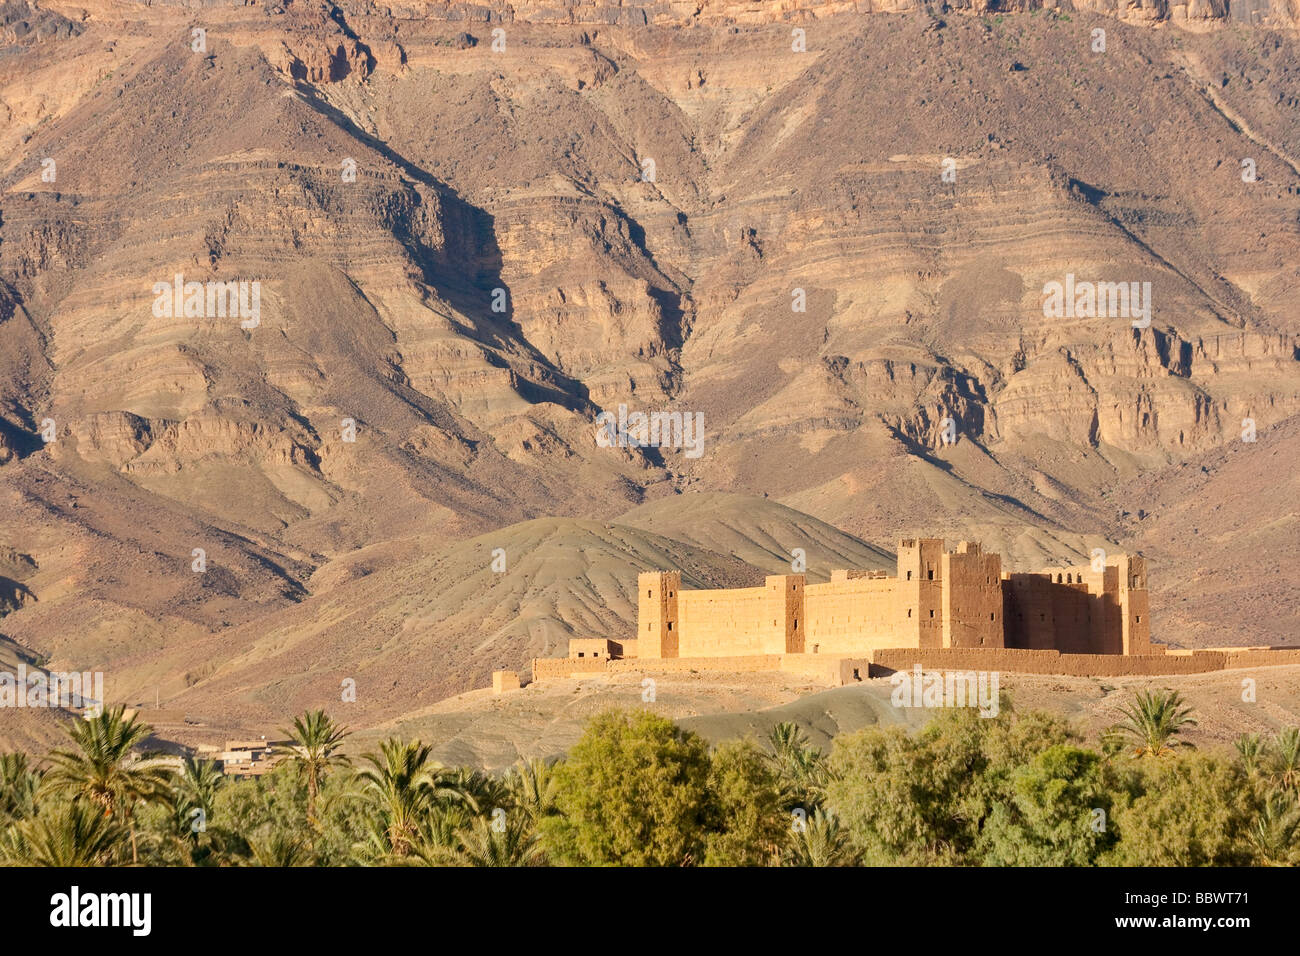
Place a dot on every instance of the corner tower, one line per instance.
(656, 616)
(1134, 605)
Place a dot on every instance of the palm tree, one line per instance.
(402, 784)
(195, 787)
(104, 769)
(1153, 722)
(18, 785)
(501, 841)
(1284, 759)
(279, 849)
(1274, 835)
(800, 767)
(821, 842)
(71, 833)
(440, 835)
(1250, 748)
(315, 742)
(531, 786)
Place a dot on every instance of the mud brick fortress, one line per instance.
(941, 609)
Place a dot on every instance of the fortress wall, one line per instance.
(1043, 615)
(746, 664)
(544, 667)
(555, 667)
(854, 615)
(839, 670)
(1032, 661)
(1258, 657)
(724, 622)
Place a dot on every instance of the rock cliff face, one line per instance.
(455, 235)
(1277, 13)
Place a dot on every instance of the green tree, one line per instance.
(1275, 833)
(402, 784)
(315, 745)
(531, 786)
(925, 800)
(275, 848)
(820, 841)
(195, 788)
(1194, 810)
(105, 770)
(748, 821)
(65, 833)
(505, 841)
(633, 792)
(801, 768)
(1153, 723)
(1283, 763)
(1250, 748)
(1056, 814)
(18, 786)
(441, 836)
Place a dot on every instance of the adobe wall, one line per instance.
(738, 621)
(849, 616)
(711, 665)
(836, 671)
(1044, 615)
(972, 609)
(840, 670)
(503, 681)
(1247, 656)
(590, 647)
(1078, 665)
(544, 667)
(722, 622)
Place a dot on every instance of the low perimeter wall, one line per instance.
(1081, 665)
(846, 670)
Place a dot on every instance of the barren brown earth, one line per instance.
(477, 729)
(558, 210)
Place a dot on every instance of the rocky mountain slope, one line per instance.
(824, 228)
